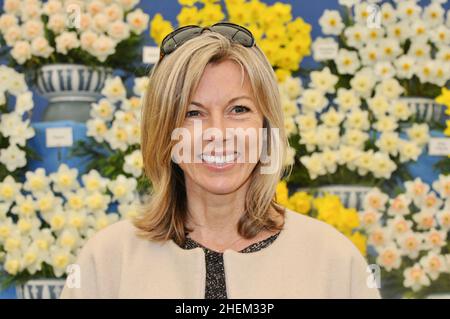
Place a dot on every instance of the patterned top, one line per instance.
(215, 271)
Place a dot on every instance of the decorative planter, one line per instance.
(70, 89)
(426, 110)
(40, 289)
(350, 196)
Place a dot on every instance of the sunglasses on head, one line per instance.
(230, 30)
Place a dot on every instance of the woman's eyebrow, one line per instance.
(229, 102)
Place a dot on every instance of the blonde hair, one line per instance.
(172, 84)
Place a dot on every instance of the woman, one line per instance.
(212, 227)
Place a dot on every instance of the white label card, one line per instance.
(150, 55)
(58, 136)
(439, 146)
(326, 51)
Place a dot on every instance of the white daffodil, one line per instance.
(104, 110)
(134, 163)
(25, 206)
(37, 181)
(440, 35)
(443, 53)
(13, 157)
(375, 35)
(306, 122)
(97, 129)
(442, 186)
(138, 21)
(7, 228)
(388, 14)
(365, 163)
(324, 80)
(389, 48)
(416, 190)
(65, 179)
(410, 244)
(361, 12)
(16, 242)
(408, 10)
(347, 62)
(75, 200)
(24, 103)
(408, 151)
(385, 124)
(379, 105)
(400, 31)
(66, 42)
(117, 137)
(347, 100)
(332, 118)
(443, 218)
(441, 73)
(8, 122)
(433, 264)
(9, 189)
(32, 259)
(375, 199)
(415, 277)
(433, 14)
(400, 110)
(59, 259)
(425, 71)
(384, 70)
(419, 133)
(125, 118)
(134, 130)
(358, 120)
(389, 87)
(129, 210)
(114, 89)
(331, 22)
(435, 240)
(370, 54)
(27, 225)
(399, 206)
(419, 50)
(355, 138)
(363, 82)
(383, 166)
(399, 225)
(103, 220)
(47, 202)
(57, 220)
(312, 100)
(388, 143)
(379, 237)
(43, 240)
(140, 85)
(369, 218)
(330, 159)
(309, 139)
(119, 30)
(356, 36)
(13, 264)
(78, 220)
(425, 220)
(431, 202)
(389, 257)
(347, 156)
(22, 132)
(97, 202)
(94, 182)
(314, 164)
(123, 188)
(289, 126)
(68, 238)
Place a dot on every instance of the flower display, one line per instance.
(444, 99)
(114, 132)
(45, 220)
(328, 209)
(73, 31)
(409, 235)
(346, 133)
(399, 47)
(284, 40)
(15, 127)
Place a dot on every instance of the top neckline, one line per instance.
(265, 242)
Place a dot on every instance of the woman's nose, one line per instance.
(216, 125)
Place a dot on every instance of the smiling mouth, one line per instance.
(219, 159)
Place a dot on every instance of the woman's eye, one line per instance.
(240, 109)
(192, 113)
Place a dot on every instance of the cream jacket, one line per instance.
(309, 259)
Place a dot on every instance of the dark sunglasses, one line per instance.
(230, 30)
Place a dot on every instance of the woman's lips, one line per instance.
(219, 163)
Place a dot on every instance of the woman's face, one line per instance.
(222, 158)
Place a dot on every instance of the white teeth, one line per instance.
(219, 159)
